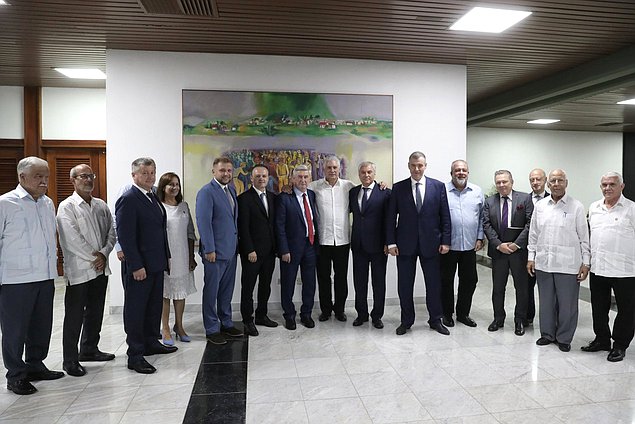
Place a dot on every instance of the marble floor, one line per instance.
(336, 373)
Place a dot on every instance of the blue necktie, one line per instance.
(418, 201)
(364, 198)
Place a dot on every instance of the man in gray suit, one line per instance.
(506, 218)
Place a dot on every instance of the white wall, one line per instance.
(11, 112)
(585, 156)
(73, 113)
(144, 110)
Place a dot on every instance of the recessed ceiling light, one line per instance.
(627, 102)
(82, 73)
(3, 3)
(485, 19)
(543, 121)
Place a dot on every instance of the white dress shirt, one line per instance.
(559, 236)
(332, 202)
(28, 249)
(83, 229)
(422, 189)
(613, 238)
(370, 188)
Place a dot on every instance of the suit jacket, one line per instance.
(369, 226)
(216, 221)
(255, 227)
(428, 229)
(290, 227)
(142, 232)
(521, 210)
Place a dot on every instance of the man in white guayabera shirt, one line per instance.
(28, 265)
(559, 256)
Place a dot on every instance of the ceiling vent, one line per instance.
(198, 8)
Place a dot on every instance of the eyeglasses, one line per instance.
(86, 176)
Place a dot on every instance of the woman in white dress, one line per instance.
(179, 283)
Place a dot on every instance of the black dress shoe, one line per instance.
(44, 375)
(466, 320)
(289, 324)
(231, 331)
(564, 347)
(74, 368)
(448, 321)
(142, 367)
(340, 317)
(324, 317)
(21, 387)
(97, 356)
(378, 324)
(307, 322)
(596, 346)
(616, 355)
(265, 321)
(401, 330)
(359, 321)
(543, 341)
(216, 338)
(250, 328)
(159, 349)
(495, 325)
(440, 328)
(519, 328)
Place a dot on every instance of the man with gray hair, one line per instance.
(87, 237)
(612, 222)
(28, 266)
(559, 256)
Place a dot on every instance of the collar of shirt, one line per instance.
(620, 202)
(221, 185)
(77, 199)
(371, 186)
(452, 187)
(509, 196)
(22, 193)
(413, 182)
(259, 192)
(143, 190)
(338, 183)
(298, 193)
(541, 194)
(564, 199)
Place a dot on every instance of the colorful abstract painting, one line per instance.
(281, 131)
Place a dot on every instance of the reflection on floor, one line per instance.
(337, 373)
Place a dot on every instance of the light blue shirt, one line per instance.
(28, 248)
(466, 213)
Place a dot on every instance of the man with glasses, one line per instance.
(87, 237)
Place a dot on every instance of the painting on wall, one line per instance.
(281, 131)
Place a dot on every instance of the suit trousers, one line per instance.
(26, 319)
(558, 294)
(406, 272)
(142, 306)
(305, 260)
(623, 326)
(261, 270)
(83, 312)
(218, 290)
(338, 255)
(531, 297)
(377, 262)
(468, 277)
(501, 266)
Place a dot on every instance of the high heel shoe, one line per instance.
(168, 342)
(184, 338)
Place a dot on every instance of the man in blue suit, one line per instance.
(368, 204)
(141, 231)
(297, 236)
(217, 221)
(418, 226)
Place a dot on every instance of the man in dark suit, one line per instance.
(296, 231)
(537, 180)
(368, 204)
(506, 218)
(217, 221)
(257, 245)
(418, 226)
(141, 231)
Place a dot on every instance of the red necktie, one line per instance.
(309, 221)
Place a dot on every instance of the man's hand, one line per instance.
(385, 250)
(505, 248)
(139, 274)
(582, 274)
(210, 257)
(443, 249)
(100, 261)
(120, 255)
(286, 257)
(382, 185)
(531, 268)
(394, 251)
(286, 189)
(192, 264)
(479, 245)
(252, 257)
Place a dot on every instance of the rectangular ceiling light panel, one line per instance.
(485, 19)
